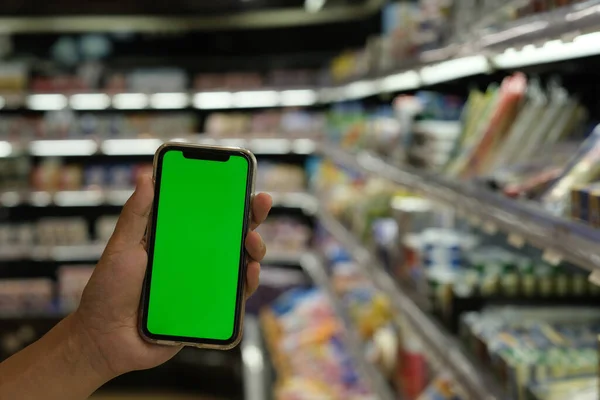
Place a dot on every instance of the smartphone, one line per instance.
(193, 293)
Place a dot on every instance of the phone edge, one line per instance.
(253, 165)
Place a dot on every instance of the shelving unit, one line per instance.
(93, 251)
(561, 35)
(523, 222)
(118, 197)
(541, 41)
(442, 348)
(314, 267)
(147, 147)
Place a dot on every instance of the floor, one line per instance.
(148, 396)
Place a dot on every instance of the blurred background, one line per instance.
(434, 166)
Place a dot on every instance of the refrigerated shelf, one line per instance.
(523, 221)
(315, 268)
(442, 349)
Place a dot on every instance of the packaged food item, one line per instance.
(584, 388)
(72, 280)
(159, 80)
(13, 77)
(26, 296)
(54, 231)
(531, 347)
(105, 227)
(274, 281)
(477, 154)
(583, 168)
(303, 337)
(285, 235)
(413, 371)
(441, 388)
(281, 177)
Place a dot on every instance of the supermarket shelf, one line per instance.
(148, 146)
(118, 197)
(207, 100)
(65, 253)
(314, 267)
(256, 381)
(564, 34)
(443, 349)
(562, 239)
(304, 201)
(93, 252)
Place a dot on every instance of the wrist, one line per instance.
(83, 351)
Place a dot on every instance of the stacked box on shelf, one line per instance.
(530, 347)
(66, 123)
(272, 123)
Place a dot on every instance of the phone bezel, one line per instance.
(200, 152)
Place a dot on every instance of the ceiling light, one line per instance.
(46, 102)
(297, 98)
(92, 101)
(213, 100)
(130, 101)
(169, 100)
(251, 99)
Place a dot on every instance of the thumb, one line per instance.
(132, 223)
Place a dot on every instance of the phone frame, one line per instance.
(169, 340)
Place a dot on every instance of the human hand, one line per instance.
(107, 317)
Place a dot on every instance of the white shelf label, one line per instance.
(595, 277)
(516, 240)
(490, 228)
(475, 221)
(552, 256)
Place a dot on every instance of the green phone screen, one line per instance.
(197, 244)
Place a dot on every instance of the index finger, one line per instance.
(133, 220)
(261, 205)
